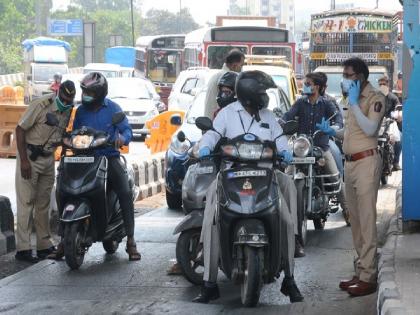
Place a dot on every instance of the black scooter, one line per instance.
(89, 209)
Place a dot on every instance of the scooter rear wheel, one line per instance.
(73, 249)
(110, 246)
(252, 281)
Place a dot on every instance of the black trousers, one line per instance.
(118, 179)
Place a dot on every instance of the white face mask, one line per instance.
(384, 89)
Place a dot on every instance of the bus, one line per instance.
(340, 34)
(207, 47)
(159, 59)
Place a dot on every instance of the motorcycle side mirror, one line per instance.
(204, 123)
(117, 118)
(52, 120)
(290, 127)
(181, 136)
(176, 120)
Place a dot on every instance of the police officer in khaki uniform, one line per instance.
(35, 168)
(362, 171)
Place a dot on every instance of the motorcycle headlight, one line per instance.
(229, 150)
(81, 141)
(267, 153)
(178, 146)
(99, 141)
(250, 151)
(301, 147)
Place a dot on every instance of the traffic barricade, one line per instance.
(10, 115)
(161, 130)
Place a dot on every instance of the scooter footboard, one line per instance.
(75, 211)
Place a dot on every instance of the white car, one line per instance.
(109, 70)
(138, 99)
(187, 85)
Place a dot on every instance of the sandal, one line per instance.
(58, 253)
(132, 252)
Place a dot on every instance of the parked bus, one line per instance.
(340, 34)
(159, 59)
(207, 47)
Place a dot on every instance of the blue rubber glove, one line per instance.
(287, 156)
(325, 127)
(354, 93)
(203, 152)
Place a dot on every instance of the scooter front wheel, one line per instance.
(252, 281)
(189, 254)
(73, 249)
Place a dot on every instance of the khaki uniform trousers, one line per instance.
(33, 203)
(362, 184)
(210, 235)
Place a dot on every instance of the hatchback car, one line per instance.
(138, 99)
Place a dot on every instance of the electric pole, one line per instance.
(332, 4)
(132, 22)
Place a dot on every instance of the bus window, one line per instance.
(217, 54)
(190, 58)
(140, 60)
(273, 51)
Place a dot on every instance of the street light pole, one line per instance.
(132, 23)
(179, 18)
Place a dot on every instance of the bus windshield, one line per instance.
(217, 54)
(164, 65)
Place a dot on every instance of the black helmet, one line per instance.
(228, 80)
(251, 89)
(96, 83)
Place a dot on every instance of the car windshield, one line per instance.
(46, 73)
(132, 89)
(282, 82)
(197, 108)
(334, 81)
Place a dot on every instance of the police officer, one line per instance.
(363, 170)
(233, 62)
(248, 115)
(35, 168)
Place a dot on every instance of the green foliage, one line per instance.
(165, 22)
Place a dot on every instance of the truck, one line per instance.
(43, 57)
(337, 35)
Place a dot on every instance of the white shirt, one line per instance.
(228, 124)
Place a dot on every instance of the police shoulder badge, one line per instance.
(378, 107)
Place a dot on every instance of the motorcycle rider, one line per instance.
(248, 115)
(311, 110)
(96, 112)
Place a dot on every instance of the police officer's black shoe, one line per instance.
(26, 255)
(209, 291)
(43, 253)
(299, 251)
(290, 289)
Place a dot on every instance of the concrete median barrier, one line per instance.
(149, 175)
(7, 234)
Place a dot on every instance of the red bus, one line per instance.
(159, 58)
(207, 47)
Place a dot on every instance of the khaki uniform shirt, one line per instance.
(34, 120)
(372, 105)
(210, 105)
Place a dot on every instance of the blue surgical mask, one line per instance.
(307, 90)
(87, 100)
(345, 85)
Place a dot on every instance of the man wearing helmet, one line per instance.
(248, 115)
(96, 112)
(226, 93)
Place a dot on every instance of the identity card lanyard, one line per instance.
(242, 123)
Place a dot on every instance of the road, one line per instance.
(112, 285)
(138, 150)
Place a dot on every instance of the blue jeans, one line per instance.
(335, 151)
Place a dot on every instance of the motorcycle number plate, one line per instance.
(305, 160)
(79, 159)
(253, 173)
(205, 170)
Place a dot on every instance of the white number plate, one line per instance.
(79, 159)
(305, 160)
(134, 120)
(205, 170)
(254, 173)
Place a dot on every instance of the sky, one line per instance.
(207, 10)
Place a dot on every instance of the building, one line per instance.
(283, 10)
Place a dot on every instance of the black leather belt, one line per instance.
(39, 149)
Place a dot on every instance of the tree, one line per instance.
(97, 5)
(165, 22)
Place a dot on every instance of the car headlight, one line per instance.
(248, 151)
(99, 141)
(81, 141)
(301, 147)
(178, 146)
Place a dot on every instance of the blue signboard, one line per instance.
(65, 27)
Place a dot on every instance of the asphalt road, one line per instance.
(138, 150)
(110, 284)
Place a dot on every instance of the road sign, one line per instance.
(72, 27)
